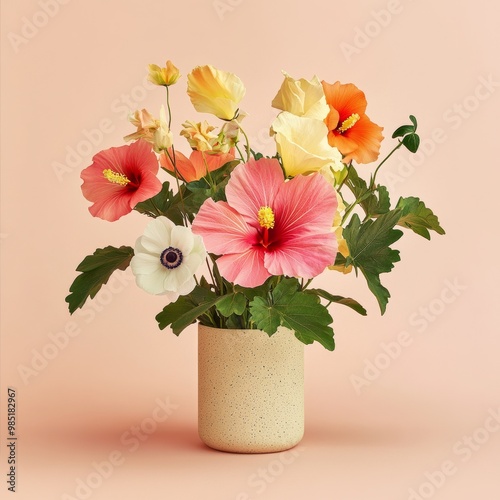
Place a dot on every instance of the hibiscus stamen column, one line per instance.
(348, 123)
(266, 220)
(115, 177)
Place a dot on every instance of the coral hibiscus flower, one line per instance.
(119, 178)
(197, 165)
(269, 226)
(350, 130)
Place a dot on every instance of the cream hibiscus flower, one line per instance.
(302, 98)
(303, 145)
(166, 258)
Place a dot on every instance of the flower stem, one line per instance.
(179, 190)
(309, 281)
(372, 182)
(345, 178)
(168, 107)
(247, 145)
(211, 275)
(239, 151)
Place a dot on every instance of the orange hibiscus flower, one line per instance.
(350, 130)
(197, 165)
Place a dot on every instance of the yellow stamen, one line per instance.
(266, 217)
(348, 123)
(115, 177)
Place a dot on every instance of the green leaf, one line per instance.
(235, 322)
(173, 311)
(261, 291)
(417, 217)
(403, 130)
(214, 185)
(201, 294)
(369, 201)
(370, 252)
(411, 142)
(414, 121)
(164, 203)
(346, 301)
(186, 309)
(256, 156)
(265, 316)
(301, 312)
(96, 270)
(233, 303)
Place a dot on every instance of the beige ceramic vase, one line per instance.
(250, 390)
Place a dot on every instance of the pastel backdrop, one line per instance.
(407, 405)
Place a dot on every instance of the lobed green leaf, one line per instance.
(369, 246)
(301, 312)
(96, 270)
(417, 217)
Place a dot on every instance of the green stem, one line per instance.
(218, 286)
(168, 107)
(247, 145)
(350, 209)
(211, 275)
(307, 284)
(347, 175)
(208, 176)
(239, 151)
(179, 190)
(372, 182)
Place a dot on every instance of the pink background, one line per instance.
(72, 72)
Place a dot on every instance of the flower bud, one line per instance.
(163, 76)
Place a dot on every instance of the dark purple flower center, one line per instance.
(171, 258)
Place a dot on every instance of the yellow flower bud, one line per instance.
(163, 76)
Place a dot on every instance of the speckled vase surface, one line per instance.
(250, 390)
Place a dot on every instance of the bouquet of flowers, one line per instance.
(260, 228)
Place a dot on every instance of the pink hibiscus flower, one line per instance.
(270, 226)
(195, 167)
(119, 178)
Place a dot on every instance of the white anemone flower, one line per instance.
(166, 258)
